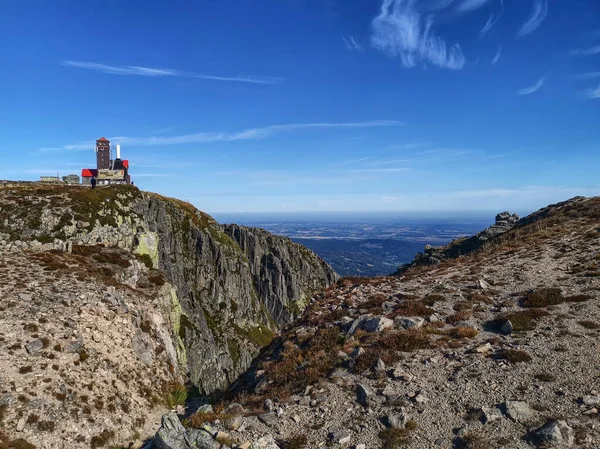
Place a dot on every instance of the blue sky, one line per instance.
(311, 105)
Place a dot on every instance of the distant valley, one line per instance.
(365, 245)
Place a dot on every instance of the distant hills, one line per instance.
(367, 257)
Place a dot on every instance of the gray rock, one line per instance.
(360, 446)
(379, 365)
(377, 324)
(483, 285)
(34, 346)
(357, 352)
(396, 420)
(590, 400)
(400, 374)
(389, 391)
(205, 408)
(198, 438)
(341, 436)
(266, 442)
(490, 414)
(483, 349)
(408, 322)
(269, 418)
(519, 411)
(555, 434)
(269, 405)
(172, 435)
(235, 409)
(25, 297)
(364, 394)
(506, 328)
(234, 423)
(358, 323)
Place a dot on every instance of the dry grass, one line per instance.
(515, 356)
(522, 320)
(589, 324)
(295, 442)
(543, 297)
(461, 332)
(198, 419)
(412, 308)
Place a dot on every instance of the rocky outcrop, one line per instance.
(433, 255)
(234, 286)
(284, 273)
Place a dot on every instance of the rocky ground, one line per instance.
(498, 349)
(85, 359)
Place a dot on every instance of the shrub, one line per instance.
(522, 320)
(589, 324)
(25, 369)
(432, 298)
(393, 438)
(545, 377)
(578, 298)
(47, 426)
(102, 439)
(460, 332)
(295, 442)
(198, 419)
(145, 259)
(515, 355)
(543, 297)
(412, 308)
(175, 393)
(404, 341)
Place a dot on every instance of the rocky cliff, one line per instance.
(494, 349)
(234, 286)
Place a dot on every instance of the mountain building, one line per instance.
(108, 170)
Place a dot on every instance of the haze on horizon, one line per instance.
(311, 105)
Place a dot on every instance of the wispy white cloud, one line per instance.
(248, 134)
(148, 71)
(493, 20)
(401, 31)
(594, 93)
(589, 75)
(497, 56)
(532, 89)
(471, 5)
(351, 44)
(538, 15)
(587, 51)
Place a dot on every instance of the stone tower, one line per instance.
(102, 154)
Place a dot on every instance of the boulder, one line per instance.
(519, 411)
(363, 394)
(172, 435)
(490, 414)
(266, 442)
(396, 420)
(555, 434)
(341, 436)
(35, 346)
(506, 328)
(408, 322)
(377, 324)
(269, 418)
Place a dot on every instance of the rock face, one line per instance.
(282, 270)
(234, 286)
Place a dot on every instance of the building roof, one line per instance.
(89, 172)
(102, 139)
